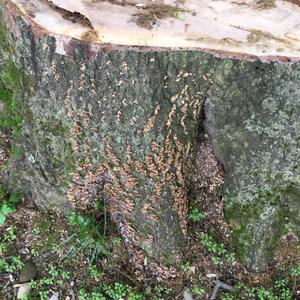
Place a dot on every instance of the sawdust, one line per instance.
(150, 15)
(265, 4)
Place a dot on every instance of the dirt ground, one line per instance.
(64, 267)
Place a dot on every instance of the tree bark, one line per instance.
(122, 122)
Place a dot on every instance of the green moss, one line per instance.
(4, 35)
(12, 76)
(10, 89)
(9, 116)
(265, 214)
(11, 84)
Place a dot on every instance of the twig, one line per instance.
(125, 275)
(220, 285)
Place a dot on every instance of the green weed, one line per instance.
(198, 291)
(113, 291)
(186, 266)
(88, 236)
(218, 250)
(94, 272)
(296, 271)
(280, 290)
(196, 215)
(7, 204)
(11, 264)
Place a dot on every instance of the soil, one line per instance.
(43, 238)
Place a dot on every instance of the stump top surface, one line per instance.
(263, 28)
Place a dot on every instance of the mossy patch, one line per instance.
(10, 89)
(247, 239)
(11, 84)
(5, 43)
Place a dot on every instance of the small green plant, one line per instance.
(281, 283)
(53, 272)
(197, 291)
(44, 295)
(11, 264)
(227, 296)
(186, 266)
(296, 271)
(33, 284)
(278, 291)
(7, 205)
(45, 281)
(88, 236)
(65, 275)
(95, 272)
(97, 296)
(196, 215)
(10, 234)
(217, 250)
(162, 290)
(135, 296)
(36, 230)
(230, 257)
(116, 291)
(83, 294)
(34, 252)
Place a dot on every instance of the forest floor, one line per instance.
(81, 256)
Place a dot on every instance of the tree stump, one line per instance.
(109, 96)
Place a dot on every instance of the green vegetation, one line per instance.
(281, 290)
(11, 87)
(7, 204)
(296, 271)
(218, 250)
(12, 263)
(198, 291)
(58, 266)
(111, 291)
(95, 273)
(196, 215)
(161, 291)
(186, 266)
(88, 236)
(13, 84)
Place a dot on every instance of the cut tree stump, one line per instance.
(108, 97)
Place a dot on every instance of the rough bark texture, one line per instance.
(252, 116)
(123, 124)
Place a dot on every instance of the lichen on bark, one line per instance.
(252, 117)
